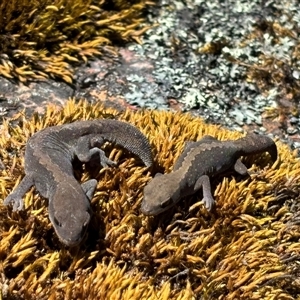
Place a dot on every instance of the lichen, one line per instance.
(246, 248)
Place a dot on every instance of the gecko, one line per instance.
(49, 154)
(198, 162)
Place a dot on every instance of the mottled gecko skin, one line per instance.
(48, 165)
(199, 161)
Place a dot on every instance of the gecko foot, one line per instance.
(208, 202)
(105, 161)
(18, 203)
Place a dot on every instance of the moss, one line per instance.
(48, 38)
(247, 248)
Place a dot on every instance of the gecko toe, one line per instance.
(108, 163)
(209, 202)
(16, 203)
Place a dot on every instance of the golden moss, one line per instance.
(247, 248)
(49, 37)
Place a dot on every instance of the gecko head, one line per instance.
(70, 216)
(159, 195)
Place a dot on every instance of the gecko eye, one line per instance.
(57, 222)
(166, 203)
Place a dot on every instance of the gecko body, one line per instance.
(49, 155)
(200, 160)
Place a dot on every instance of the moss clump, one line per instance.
(247, 248)
(48, 38)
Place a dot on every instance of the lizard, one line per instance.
(49, 154)
(200, 160)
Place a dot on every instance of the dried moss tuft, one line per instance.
(41, 39)
(247, 248)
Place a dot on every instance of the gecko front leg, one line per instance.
(204, 183)
(89, 188)
(16, 196)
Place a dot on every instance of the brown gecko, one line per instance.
(199, 161)
(48, 165)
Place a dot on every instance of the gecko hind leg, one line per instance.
(240, 168)
(87, 148)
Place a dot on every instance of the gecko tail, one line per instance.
(129, 137)
(254, 143)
